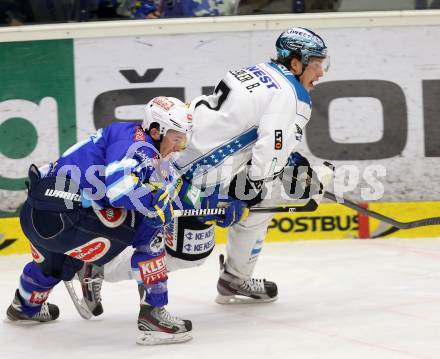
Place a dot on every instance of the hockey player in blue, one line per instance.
(106, 193)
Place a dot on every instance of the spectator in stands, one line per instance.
(50, 11)
(53, 11)
(133, 9)
(190, 8)
(13, 13)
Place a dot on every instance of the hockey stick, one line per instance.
(400, 225)
(310, 206)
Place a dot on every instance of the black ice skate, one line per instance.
(234, 290)
(91, 277)
(16, 312)
(157, 326)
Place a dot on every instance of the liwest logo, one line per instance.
(263, 76)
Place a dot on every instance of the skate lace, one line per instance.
(167, 317)
(94, 285)
(254, 285)
(43, 313)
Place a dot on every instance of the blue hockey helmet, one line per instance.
(302, 42)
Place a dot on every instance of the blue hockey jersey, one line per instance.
(115, 167)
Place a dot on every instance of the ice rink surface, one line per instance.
(375, 299)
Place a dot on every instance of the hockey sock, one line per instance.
(34, 288)
(150, 272)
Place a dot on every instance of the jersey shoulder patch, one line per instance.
(139, 134)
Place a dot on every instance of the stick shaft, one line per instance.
(310, 206)
(401, 225)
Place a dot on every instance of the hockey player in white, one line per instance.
(255, 117)
(265, 108)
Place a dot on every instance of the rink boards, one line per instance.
(329, 221)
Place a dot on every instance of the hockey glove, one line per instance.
(299, 179)
(161, 209)
(235, 210)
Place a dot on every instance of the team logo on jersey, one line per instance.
(36, 255)
(111, 217)
(278, 139)
(91, 251)
(139, 134)
(153, 270)
(39, 297)
(156, 246)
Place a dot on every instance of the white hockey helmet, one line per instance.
(169, 113)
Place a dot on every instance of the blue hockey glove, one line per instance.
(161, 209)
(297, 160)
(235, 210)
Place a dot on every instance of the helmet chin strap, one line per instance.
(304, 66)
(157, 144)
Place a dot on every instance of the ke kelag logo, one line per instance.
(91, 251)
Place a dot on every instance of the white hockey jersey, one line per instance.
(256, 114)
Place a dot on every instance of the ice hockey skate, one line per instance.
(17, 313)
(90, 277)
(157, 326)
(234, 290)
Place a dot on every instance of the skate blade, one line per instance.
(158, 338)
(26, 322)
(238, 299)
(80, 305)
